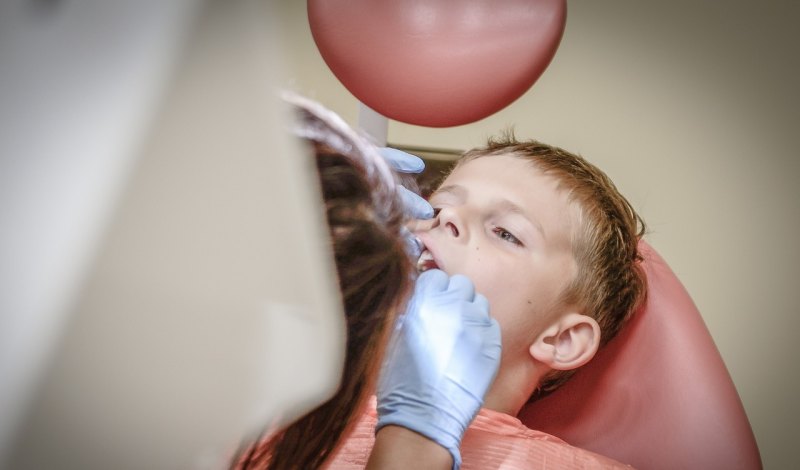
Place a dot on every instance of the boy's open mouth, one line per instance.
(426, 261)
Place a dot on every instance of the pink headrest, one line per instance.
(659, 395)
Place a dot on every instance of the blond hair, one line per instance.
(610, 282)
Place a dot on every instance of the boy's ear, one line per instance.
(570, 342)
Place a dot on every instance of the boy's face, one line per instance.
(507, 227)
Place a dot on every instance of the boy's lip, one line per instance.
(428, 244)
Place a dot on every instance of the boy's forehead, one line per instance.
(494, 168)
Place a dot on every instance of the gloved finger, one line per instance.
(462, 287)
(415, 206)
(432, 280)
(402, 161)
(478, 313)
(413, 245)
(495, 350)
(491, 352)
(481, 304)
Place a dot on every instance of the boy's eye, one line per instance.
(436, 211)
(505, 235)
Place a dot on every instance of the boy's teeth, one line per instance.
(425, 261)
(421, 260)
(426, 255)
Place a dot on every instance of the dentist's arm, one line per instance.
(400, 448)
(442, 360)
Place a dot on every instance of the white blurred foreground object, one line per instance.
(188, 296)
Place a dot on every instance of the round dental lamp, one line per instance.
(437, 63)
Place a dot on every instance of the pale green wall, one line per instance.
(691, 108)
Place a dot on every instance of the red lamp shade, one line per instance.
(437, 63)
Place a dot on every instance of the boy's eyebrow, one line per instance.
(504, 205)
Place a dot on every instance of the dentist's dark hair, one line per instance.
(365, 218)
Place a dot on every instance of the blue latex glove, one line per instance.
(443, 357)
(415, 206)
(402, 162)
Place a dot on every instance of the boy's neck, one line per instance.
(513, 387)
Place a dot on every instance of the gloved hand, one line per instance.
(443, 357)
(402, 162)
(415, 206)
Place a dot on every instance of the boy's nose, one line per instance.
(450, 221)
(453, 229)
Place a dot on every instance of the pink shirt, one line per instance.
(493, 441)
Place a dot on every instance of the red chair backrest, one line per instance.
(659, 395)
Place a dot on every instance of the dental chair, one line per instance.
(658, 396)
